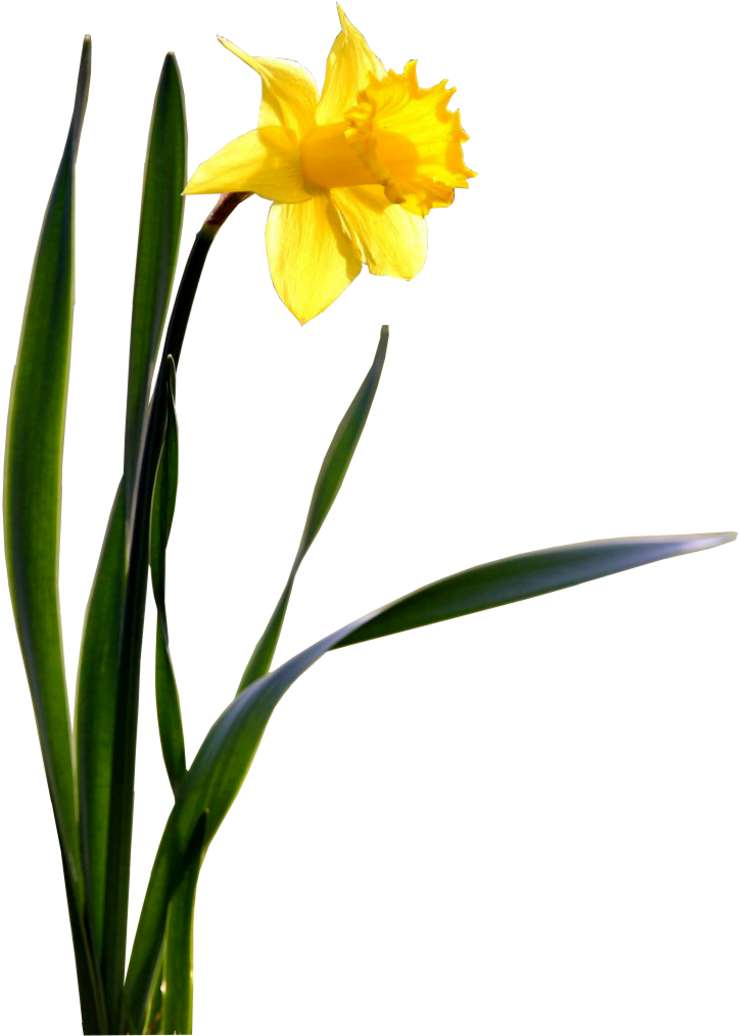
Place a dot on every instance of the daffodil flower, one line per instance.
(352, 174)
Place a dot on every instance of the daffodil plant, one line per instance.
(352, 174)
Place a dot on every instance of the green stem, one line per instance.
(124, 748)
(191, 278)
(178, 321)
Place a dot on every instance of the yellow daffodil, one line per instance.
(352, 174)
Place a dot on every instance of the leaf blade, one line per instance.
(32, 478)
(517, 578)
(224, 758)
(169, 714)
(160, 229)
(178, 953)
(330, 479)
(95, 711)
(161, 216)
(92, 999)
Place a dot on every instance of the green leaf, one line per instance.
(160, 228)
(109, 675)
(225, 756)
(330, 478)
(164, 496)
(89, 982)
(33, 477)
(95, 713)
(520, 577)
(178, 962)
(153, 1019)
(169, 715)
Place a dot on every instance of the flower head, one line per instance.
(352, 174)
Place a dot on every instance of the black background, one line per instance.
(558, 372)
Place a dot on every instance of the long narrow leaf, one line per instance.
(177, 967)
(161, 217)
(160, 228)
(33, 476)
(92, 999)
(225, 756)
(153, 1017)
(97, 682)
(520, 577)
(330, 478)
(169, 715)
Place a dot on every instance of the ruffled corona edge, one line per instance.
(409, 140)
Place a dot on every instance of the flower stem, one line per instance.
(225, 206)
(176, 329)
(179, 320)
(191, 278)
(153, 442)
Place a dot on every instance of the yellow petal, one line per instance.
(311, 258)
(348, 70)
(265, 161)
(289, 91)
(391, 240)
